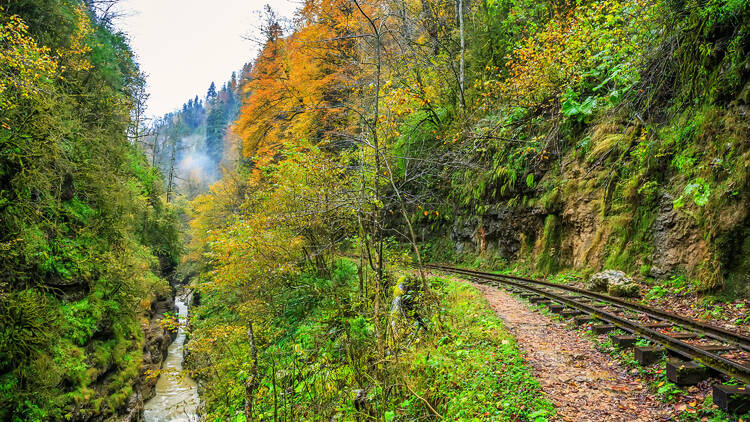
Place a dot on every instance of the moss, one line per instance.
(550, 200)
(630, 189)
(596, 244)
(548, 246)
(605, 145)
(629, 241)
(571, 188)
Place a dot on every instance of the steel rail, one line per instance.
(716, 333)
(708, 358)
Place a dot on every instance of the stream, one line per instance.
(176, 398)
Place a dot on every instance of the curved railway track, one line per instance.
(697, 350)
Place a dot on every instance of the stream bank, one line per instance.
(176, 395)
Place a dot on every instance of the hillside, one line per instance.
(87, 239)
(547, 137)
(192, 145)
(297, 205)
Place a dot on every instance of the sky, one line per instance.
(184, 45)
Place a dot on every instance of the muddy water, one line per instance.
(176, 397)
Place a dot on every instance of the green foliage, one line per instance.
(29, 321)
(698, 190)
(579, 111)
(677, 285)
(712, 48)
(82, 318)
(322, 349)
(440, 249)
(84, 231)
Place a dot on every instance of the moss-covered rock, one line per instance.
(615, 283)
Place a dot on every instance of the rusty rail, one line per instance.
(709, 358)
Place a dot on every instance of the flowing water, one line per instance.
(176, 398)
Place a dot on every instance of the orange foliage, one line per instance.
(294, 88)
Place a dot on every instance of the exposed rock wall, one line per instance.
(654, 239)
(502, 231)
(157, 341)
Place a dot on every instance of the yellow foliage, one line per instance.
(288, 91)
(571, 44)
(25, 67)
(74, 54)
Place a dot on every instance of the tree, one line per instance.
(461, 72)
(139, 121)
(216, 124)
(211, 94)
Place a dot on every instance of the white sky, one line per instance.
(184, 45)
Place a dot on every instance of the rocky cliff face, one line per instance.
(597, 220)
(503, 231)
(157, 341)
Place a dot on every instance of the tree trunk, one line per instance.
(170, 184)
(461, 76)
(376, 220)
(251, 384)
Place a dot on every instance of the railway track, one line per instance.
(695, 350)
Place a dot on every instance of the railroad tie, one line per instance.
(602, 328)
(732, 398)
(569, 312)
(648, 355)
(556, 308)
(624, 342)
(682, 336)
(686, 372)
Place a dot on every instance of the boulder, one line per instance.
(598, 282)
(614, 282)
(624, 290)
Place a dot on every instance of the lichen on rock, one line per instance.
(615, 283)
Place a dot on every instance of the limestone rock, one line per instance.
(615, 283)
(624, 290)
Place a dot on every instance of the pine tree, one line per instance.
(211, 92)
(216, 123)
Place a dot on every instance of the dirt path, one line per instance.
(584, 384)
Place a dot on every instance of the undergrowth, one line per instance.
(318, 359)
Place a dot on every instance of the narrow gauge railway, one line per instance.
(696, 351)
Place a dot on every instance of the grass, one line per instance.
(464, 367)
(475, 366)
